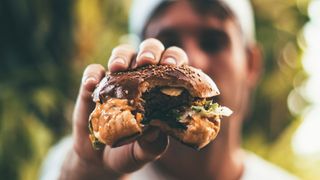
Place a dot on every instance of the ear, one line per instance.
(254, 65)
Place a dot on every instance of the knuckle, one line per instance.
(150, 51)
(120, 57)
(92, 74)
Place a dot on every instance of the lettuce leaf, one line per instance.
(210, 109)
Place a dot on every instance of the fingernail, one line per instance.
(170, 60)
(118, 60)
(152, 136)
(147, 55)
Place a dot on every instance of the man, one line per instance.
(215, 36)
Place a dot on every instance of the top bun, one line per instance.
(132, 83)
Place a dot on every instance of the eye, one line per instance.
(213, 41)
(169, 38)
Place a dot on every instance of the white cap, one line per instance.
(142, 10)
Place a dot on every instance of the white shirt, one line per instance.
(255, 168)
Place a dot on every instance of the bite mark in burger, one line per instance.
(178, 100)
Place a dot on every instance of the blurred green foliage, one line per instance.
(278, 24)
(37, 83)
(270, 128)
(45, 45)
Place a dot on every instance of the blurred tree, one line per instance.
(278, 24)
(269, 129)
(36, 81)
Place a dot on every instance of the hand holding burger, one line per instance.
(84, 162)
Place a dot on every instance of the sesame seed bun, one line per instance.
(123, 103)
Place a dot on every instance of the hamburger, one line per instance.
(178, 100)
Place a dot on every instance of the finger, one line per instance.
(131, 157)
(84, 105)
(174, 56)
(150, 52)
(120, 58)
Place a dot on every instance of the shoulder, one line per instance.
(52, 163)
(258, 168)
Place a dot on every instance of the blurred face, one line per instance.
(212, 44)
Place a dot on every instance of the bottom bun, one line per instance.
(200, 131)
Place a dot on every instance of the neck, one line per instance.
(222, 159)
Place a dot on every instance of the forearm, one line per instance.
(76, 168)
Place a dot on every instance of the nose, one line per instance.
(197, 57)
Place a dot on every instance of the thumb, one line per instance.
(84, 106)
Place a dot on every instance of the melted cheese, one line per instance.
(170, 91)
(113, 120)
